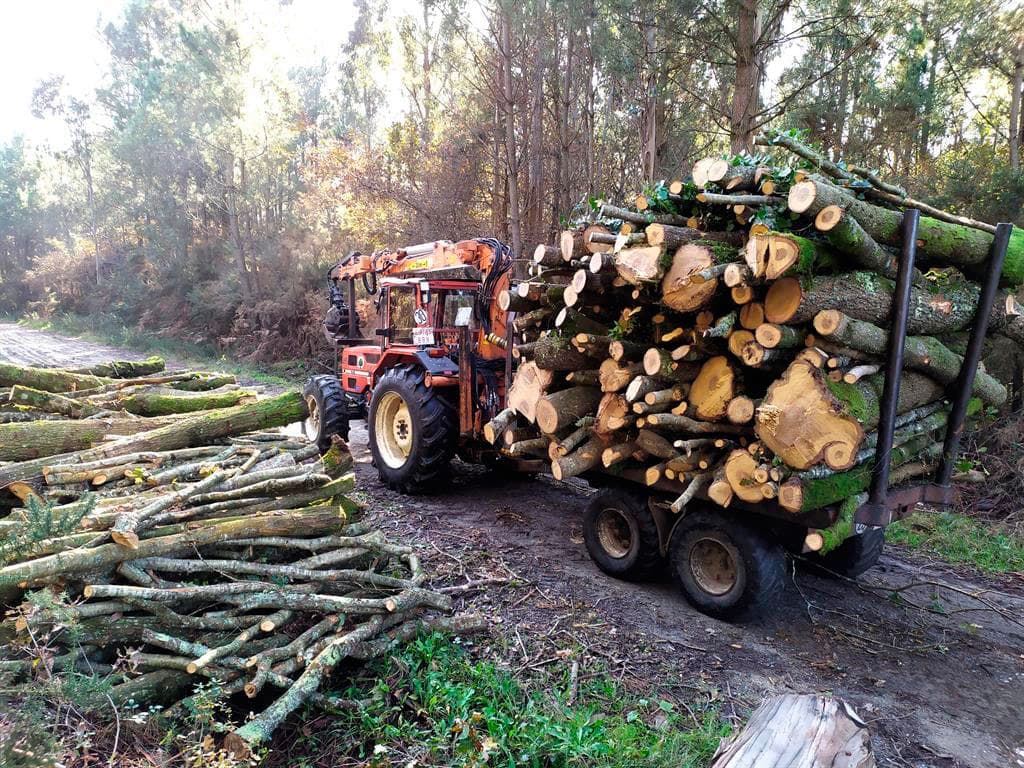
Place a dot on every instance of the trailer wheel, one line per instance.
(622, 536)
(412, 428)
(726, 568)
(854, 556)
(327, 412)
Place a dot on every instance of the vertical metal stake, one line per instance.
(965, 380)
(894, 366)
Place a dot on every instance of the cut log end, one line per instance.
(828, 217)
(801, 196)
(782, 300)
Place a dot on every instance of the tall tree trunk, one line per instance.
(564, 140)
(746, 85)
(929, 105)
(589, 98)
(1016, 117)
(511, 159)
(535, 166)
(840, 122)
(649, 116)
(235, 231)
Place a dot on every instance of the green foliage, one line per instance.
(960, 539)
(435, 701)
(42, 523)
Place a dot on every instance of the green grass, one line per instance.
(960, 539)
(432, 702)
(105, 329)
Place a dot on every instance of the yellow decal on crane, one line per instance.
(415, 264)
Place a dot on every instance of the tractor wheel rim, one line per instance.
(393, 430)
(713, 566)
(311, 426)
(614, 533)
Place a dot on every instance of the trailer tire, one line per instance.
(327, 411)
(854, 556)
(621, 535)
(726, 568)
(413, 430)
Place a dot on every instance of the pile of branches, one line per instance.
(724, 337)
(208, 547)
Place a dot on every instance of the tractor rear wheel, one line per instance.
(413, 430)
(328, 416)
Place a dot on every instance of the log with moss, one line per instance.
(939, 242)
(123, 369)
(922, 353)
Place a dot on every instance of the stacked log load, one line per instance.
(725, 336)
(161, 531)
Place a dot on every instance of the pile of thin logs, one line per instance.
(210, 547)
(724, 336)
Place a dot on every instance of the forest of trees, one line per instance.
(203, 186)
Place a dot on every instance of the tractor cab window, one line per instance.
(455, 301)
(401, 309)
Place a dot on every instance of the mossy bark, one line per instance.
(123, 369)
(36, 439)
(48, 379)
(939, 242)
(922, 353)
(184, 432)
(158, 403)
(820, 491)
(868, 296)
(863, 399)
(51, 402)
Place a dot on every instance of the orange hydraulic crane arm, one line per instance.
(484, 255)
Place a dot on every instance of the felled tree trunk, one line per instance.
(923, 353)
(48, 379)
(562, 409)
(123, 369)
(805, 730)
(679, 290)
(35, 439)
(52, 402)
(938, 241)
(553, 354)
(855, 404)
(157, 403)
(868, 296)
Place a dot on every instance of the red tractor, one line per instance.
(436, 371)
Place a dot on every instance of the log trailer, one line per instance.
(439, 370)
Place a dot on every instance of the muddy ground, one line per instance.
(940, 682)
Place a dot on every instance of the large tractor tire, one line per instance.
(726, 567)
(328, 414)
(621, 535)
(413, 430)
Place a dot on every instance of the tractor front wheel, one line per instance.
(412, 428)
(327, 415)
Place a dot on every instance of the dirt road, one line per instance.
(941, 684)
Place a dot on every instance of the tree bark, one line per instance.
(940, 242)
(561, 409)
(922, 353)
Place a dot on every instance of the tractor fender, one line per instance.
(435, 366)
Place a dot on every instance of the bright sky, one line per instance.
(40, 38)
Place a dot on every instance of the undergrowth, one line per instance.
(960, 539)
(433, 704)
